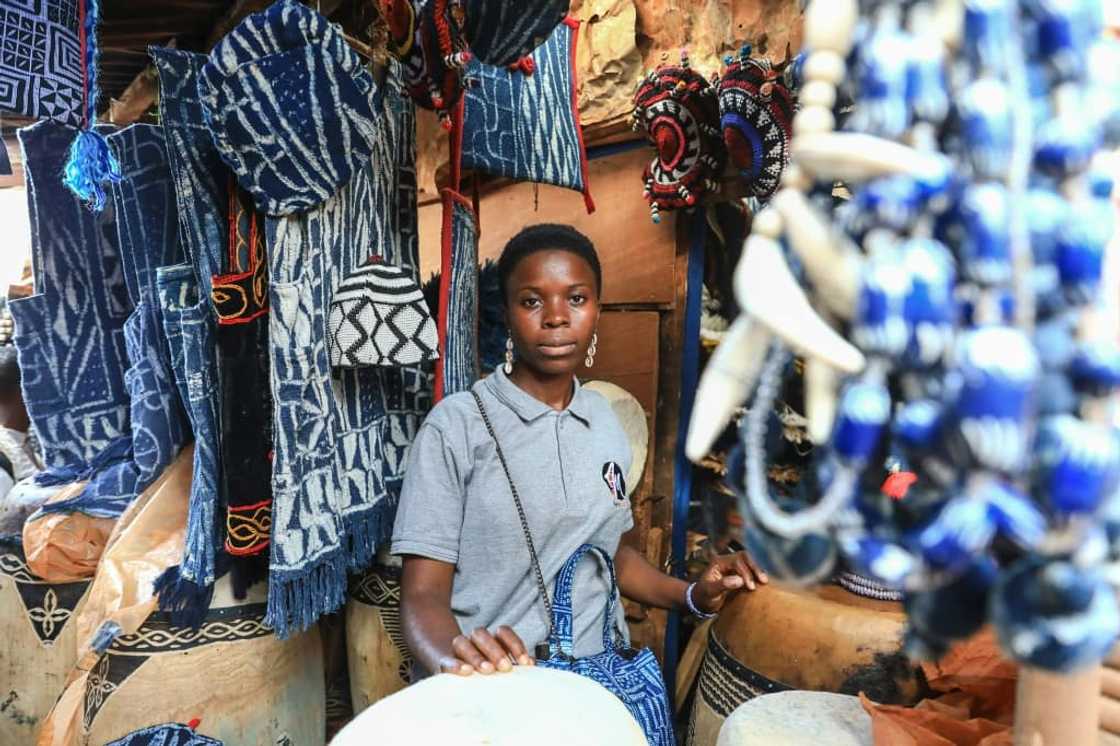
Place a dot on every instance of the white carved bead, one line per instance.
(813, 120)
(830, 24)
(817, 93)
(825, 65)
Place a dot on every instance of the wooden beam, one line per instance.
(139, 96)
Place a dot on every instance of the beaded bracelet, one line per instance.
(692, 607)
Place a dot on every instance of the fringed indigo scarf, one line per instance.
(340, 439)
(457, 368)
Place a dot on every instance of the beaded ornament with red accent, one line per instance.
(426, 37)
(677, 109)
(756, 115)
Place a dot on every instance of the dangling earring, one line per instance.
(508, 365)
(592, 350)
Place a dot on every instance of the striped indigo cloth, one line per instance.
(500, 32)
(457, 368)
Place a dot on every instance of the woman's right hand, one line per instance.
(486, 653)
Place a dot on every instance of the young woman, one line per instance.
(470, 601)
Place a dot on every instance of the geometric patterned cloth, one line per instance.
(523, 123)
(41, 68)
(458, 366)
(635, 679)
(341, 436)
(500, 32)
(171, 734)
(290, 104)
(70, 334)
(756, 114)
(379, 317)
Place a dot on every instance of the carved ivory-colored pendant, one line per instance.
(727, 383)
(821, 394)
(767, 290)
(832, 262)
(852, 156)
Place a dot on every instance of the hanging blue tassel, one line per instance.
(91, 162)
(185, 601)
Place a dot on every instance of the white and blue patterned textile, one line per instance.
(634, 679)
(201, 186)
(458, 365)
(341, 438)
(40, 60)
(500, 32)
(71, 334)
(522, 123)
(291, 107)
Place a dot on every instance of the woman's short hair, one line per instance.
(547, 237)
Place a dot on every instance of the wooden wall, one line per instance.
(639, 331)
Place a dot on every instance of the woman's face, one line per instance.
(552, 309)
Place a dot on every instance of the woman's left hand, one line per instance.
(727, 574)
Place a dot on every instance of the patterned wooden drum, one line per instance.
(38, 643)
(379, 661)
(233, 676)
(776, 638)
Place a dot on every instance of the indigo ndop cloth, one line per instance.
(170, 734)
(341, 435)
(500, 32)
(458, 367)
(291, 107)
(756, 115)
(632, 676)
(522, 122)
(41, 66)
(677, 109)
(70, 335)
(379, 317)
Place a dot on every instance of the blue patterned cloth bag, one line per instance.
(457, 367)
(291, 106)
(71, 334)
(634, 676)
(41, 65)
(500, 32)
(522, 121)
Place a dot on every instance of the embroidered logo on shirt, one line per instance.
(612, 475)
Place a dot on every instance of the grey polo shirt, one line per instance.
(456, 505)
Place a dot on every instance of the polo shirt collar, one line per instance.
(527, 407)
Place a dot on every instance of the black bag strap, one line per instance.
(541, 587)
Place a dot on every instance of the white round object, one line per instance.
(797, 718)
(831, 24)
(533, 705)
(632, 416)
(825, 66)
(813, 120)
(817, 93)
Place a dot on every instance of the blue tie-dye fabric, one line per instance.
(70, 334)
(342, 437)
(148, 230)
(500, 32)
(202, 188)
(524, 125)
(290, 106)
(459, 319)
